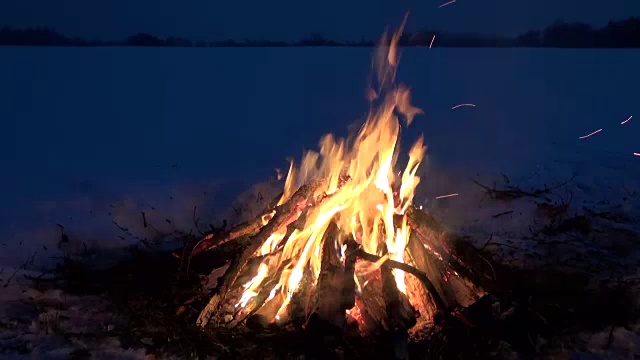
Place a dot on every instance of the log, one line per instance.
(259, 300)
(214, 304)
(429, 249)
(260, 312)
(400, 314)
(349, 284)
(328, 302)
(431, 268)
(432, 234)
(441, 305)
(212, 240)
(371, 303)
(286, 213)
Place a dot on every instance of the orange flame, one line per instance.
(365, 204)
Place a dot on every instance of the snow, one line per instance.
(99, 135)
(50, 324)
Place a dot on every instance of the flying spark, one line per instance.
(446, 196)
(432, 40)
(461, 105)
(588, 135)
(447, 3)
(626, 121)
(636, 154)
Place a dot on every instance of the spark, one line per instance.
(588, 135)
(446, 196)
(432, 40)
(636, 154)
(626, 121)
(461, 105)
(447, 3)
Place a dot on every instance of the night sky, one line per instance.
(292, 19)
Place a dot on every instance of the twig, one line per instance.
(610, 339)
(22, 267)
(512, 192)
(144, 220)
(488, 263)
(195, 220)
(124, 229)
(502, 214)
(487, 243)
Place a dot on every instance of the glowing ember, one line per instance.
(626, 121)
(365, 198)
(432, 40)
(636, 154)
(462, 105)
(446, 196)
(447, 3)
(589, 135)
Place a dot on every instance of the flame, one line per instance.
(368, 195)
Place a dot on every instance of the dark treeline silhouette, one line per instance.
(616, 34)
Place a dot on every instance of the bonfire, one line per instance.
(344, 241)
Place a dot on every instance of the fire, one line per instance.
(365, 195)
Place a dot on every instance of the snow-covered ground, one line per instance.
(100, 135)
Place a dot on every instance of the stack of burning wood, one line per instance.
(344, 241)
(352, 287)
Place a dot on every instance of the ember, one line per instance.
(343, 240)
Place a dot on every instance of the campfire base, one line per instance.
(331, 314)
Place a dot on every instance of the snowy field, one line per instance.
(99, 135)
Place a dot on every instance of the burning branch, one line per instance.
(285, 214)
(214, 238)
(408, 269)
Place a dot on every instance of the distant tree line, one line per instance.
(616, 34)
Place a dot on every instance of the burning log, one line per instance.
(248, 228)
(431, 252)
(349, 284)
(285, 214)
(331, 281)
(408, 269)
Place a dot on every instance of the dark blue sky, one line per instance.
(292, 19)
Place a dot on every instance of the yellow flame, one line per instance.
(368, 194)
(252, 286)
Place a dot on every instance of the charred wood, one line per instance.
(441, 305)
(330, 281)
(285, 214)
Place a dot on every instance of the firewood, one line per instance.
(212, 240)
(384, 309)
(432, 269)
(349, 284)
(371, 303)
(433, 235)
(439, 258)
(408, 269)
(400, 313)
(328, 292)
(259, 300)
(285, 214)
